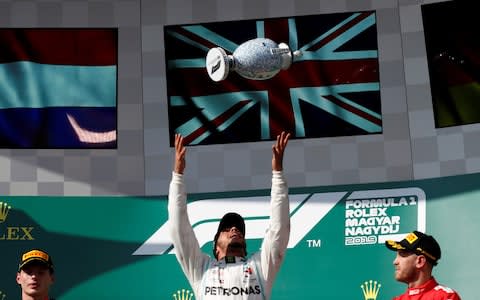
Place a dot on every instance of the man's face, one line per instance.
(405, 266)
(35, 279)
(231, 237)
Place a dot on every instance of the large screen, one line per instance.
(58, 88)
(331, 89)
(452, 33)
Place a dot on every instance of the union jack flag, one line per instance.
(333, 89)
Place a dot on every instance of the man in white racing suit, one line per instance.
(231, 274)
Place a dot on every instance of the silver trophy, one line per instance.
(256, 59)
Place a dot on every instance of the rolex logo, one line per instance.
(13, 233)
(370, 289)
(2, 296)
(4, 209)
(183, 295)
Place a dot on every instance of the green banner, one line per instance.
(119, 247)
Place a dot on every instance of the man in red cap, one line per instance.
(35, 275)
(231, 274)
(417, 254)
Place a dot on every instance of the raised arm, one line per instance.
(276, 239)
(183, 237)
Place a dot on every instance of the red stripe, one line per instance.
(195, 82)
(194, 37)
(217, 121)
(451, 71)
(85, 47)
(354, 110)
(278, 31)
(341, 30)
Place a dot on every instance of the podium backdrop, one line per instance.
(119, 248)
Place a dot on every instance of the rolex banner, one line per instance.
(119, 248)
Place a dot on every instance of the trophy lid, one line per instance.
(217, 64)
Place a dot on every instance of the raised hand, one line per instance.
(180, 151)
(278, 149)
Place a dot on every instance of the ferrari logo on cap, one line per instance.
(411, 238)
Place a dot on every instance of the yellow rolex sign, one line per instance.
(13, 233)
(4, 210)
(370, 289)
